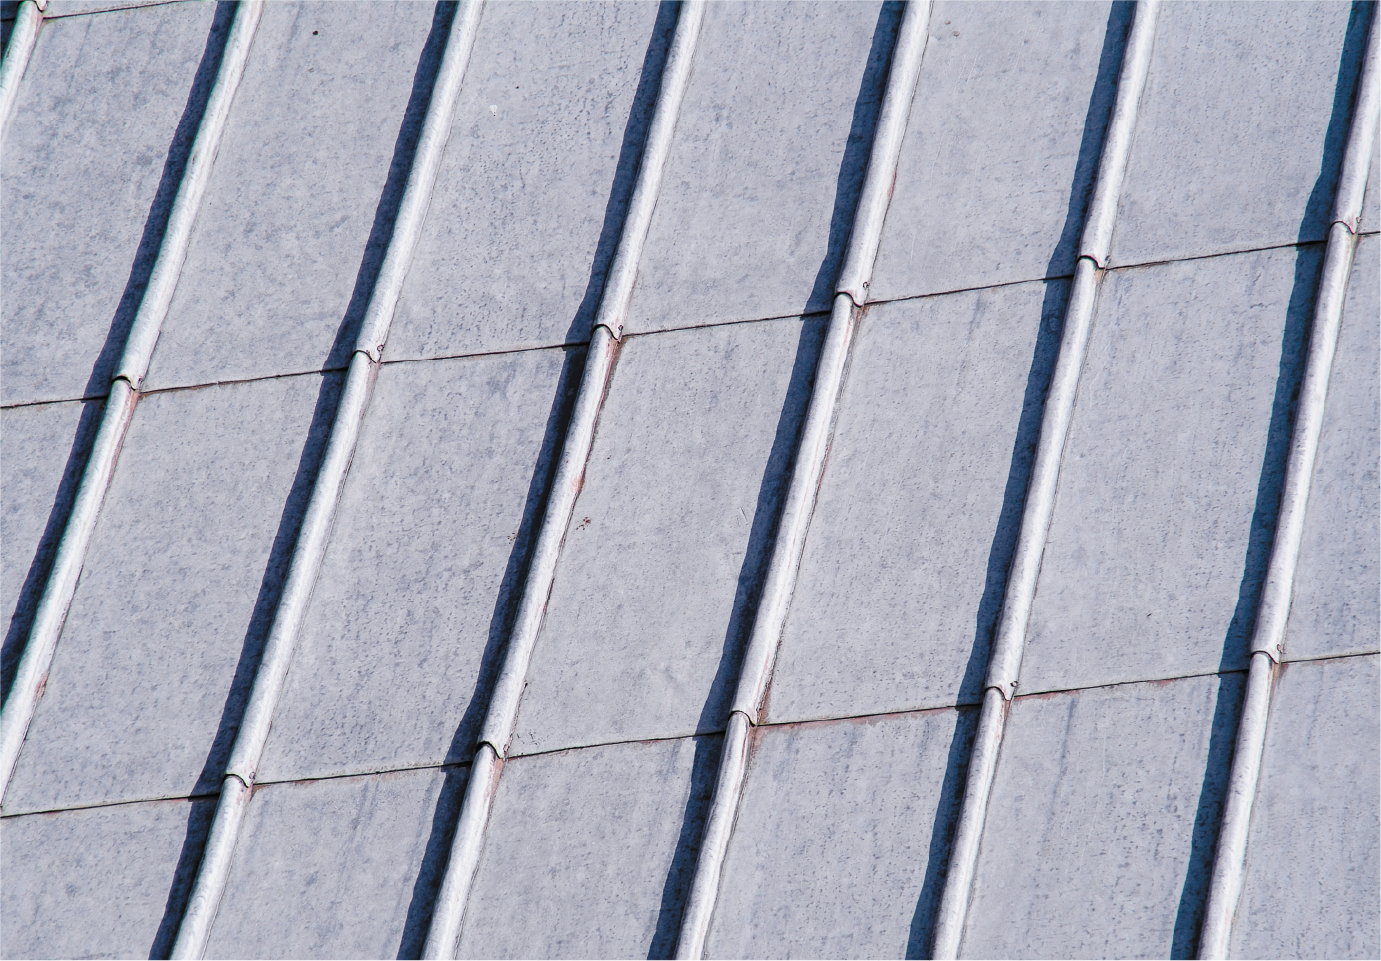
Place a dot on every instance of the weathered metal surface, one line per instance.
(77, 8)
(1172, 471)
(589, 851)
(770, 155)
(1002, 146)
(307, 183)
(340, 868)
(145, 298)
(415, 595)
(902, 575)
(319, 516)
(21, 25)
(783, 563)
(1100, 829)
(1314, 859)
(89, 185)
(656, 585)
(104, 882)
(168, 620)
(1335, 608)
(842, 837)
(1241, 129)
(42, 451)
(546, 142)
(1311, 407)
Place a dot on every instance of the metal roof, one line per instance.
(756, 480)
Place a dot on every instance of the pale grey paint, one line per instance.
(1172, 471)
(1314, 855)
(841, 838)
(286, 245)
(531, 195)
(340, 868)
(428, 551)
(769, 157)
(904, 565)
(655, 588)
(1335, 605)
(1239, 136)
(101, 883)
(1002, 145)
(1100, 828)
(589, 851)
(42, 451)
(163, 634)
(89, 182)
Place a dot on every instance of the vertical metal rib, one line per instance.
(502, 714)
(23, 37)
(33, 667)
(1005, 660)
(850, 294)
(1268, 638)
(314, 536)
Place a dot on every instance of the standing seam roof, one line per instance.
(628, 605)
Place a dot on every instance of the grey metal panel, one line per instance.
(655, 589)
(101, 883)
(840, 845)
(42, 451)
(89, 183)
(1241, 128)
(301, 204)
(164, 632)
(1172, 472)
(413, 602)
(1371, 200)
(902, 576)
(1315, 845)
(769, 157)
(1002, 145)
(589, 852)
(340, 868)
(1100, 830)
(537, 175)
(1335, 604)
(72, 8)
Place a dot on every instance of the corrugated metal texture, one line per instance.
(842, 838)
(537, 176)
(89, 184)
(305, 189)
(42, 451)
(1172, 472)
(769, 157)
(589, 852)
(902, 575)
(1314, 853)
(655, 589)
(1002, 145)
(1101, 825)
(413, 604)
(1241, 128)
(164, 632)
(1335, 605)
(340, 868)
(106, 882)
